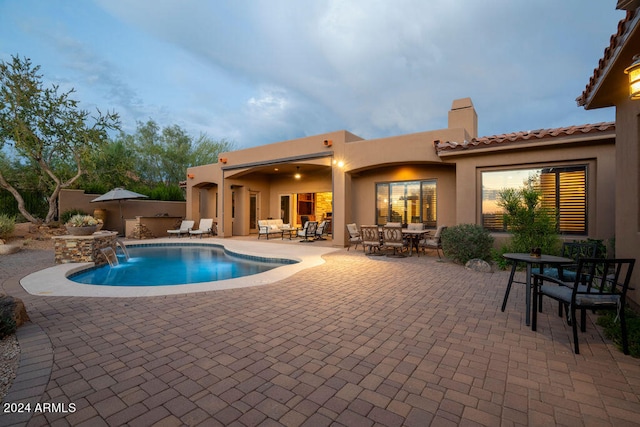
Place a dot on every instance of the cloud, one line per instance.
(258, 71)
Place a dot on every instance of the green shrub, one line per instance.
(66, 215)
(611, 327)
(7, 322)
(463, 242)
(7, 225)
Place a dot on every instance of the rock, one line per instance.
(9, 249)
(15, 305)
(478, 265)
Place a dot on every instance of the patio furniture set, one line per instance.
(394, 240)
(311, 230)
(578, 280)
(205, 227)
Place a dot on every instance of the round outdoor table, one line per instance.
(515, 258)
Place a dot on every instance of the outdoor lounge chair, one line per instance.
(354, 235)
(308, 231)
(205, 227)
(185, 227)
(433, 242)
(596, 286)
(322, 228)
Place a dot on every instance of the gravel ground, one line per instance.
(9, 355)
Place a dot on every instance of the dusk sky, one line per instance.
(257, 72)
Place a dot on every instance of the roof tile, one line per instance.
(523, 136)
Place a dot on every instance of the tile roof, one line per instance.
(616, 41)
(540, 135)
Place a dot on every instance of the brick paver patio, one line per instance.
(357, 341)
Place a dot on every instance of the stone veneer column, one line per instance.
(71, 249)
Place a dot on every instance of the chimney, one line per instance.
(463, 115)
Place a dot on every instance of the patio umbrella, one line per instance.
(119, 194)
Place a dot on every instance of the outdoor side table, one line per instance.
(515, 258)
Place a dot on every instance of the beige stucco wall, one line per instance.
(363, 195)
(598, 156)
(627, 213)
(77, 199)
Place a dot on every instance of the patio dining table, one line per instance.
(529, 260)
(414, 237)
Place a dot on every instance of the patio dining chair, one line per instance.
(433, 242)
(354, 235)
(567, 272)
(371, 239)
(185, 227)
(308, 231)
(392, 239)
(599, 284)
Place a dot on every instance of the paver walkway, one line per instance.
(357, 341)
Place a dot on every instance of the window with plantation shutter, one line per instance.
(564, 190)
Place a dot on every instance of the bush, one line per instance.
(66, 215)
(7, 225)
(467, 241)
(611, 326)
(7, 322)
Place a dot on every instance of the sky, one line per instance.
(255, 72)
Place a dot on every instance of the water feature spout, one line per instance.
(121, 245)
(111, 256)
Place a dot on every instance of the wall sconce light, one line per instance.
(338, 163)
(190, 176)
(328, 143)
(223, 160)
(297, 175)
(634, 78)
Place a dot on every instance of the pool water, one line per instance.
(175, 265)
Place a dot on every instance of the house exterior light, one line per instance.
(634, 78)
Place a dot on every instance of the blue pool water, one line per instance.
(175, 265)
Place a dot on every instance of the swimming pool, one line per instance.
(176, 264)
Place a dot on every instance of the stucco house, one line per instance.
(441, 177)
(609, 86)
(438, 177)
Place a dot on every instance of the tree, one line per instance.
(532, 225)
(165, 154)
(46, 130)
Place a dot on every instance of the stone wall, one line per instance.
(70, 249)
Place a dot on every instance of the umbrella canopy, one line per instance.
(119, 194)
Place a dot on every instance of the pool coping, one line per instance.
(53, 281)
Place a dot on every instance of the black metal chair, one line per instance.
(567, 272)
(597, 286)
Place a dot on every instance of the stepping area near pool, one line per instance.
(353, 341)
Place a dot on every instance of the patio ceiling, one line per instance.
(284, 169)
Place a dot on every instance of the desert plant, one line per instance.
(66, 215)
(531, 224)
(81, 221)
(7, 225)
(463, 242)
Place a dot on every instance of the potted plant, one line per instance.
(81, 225)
